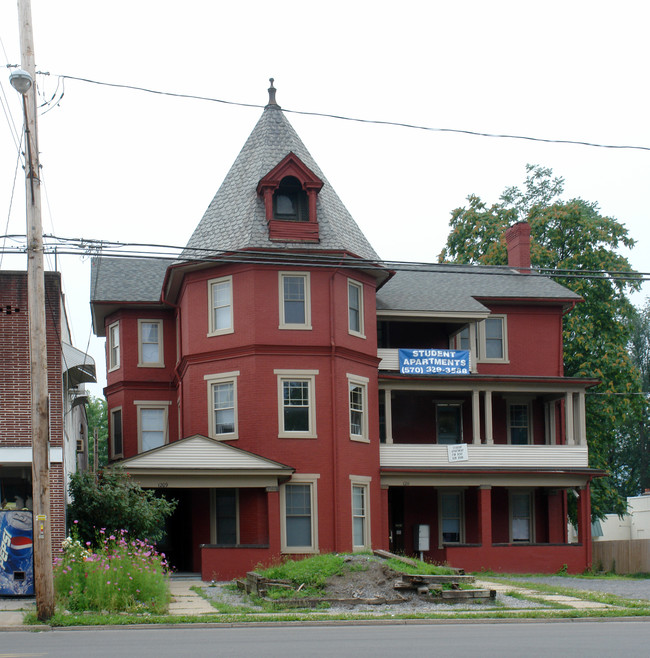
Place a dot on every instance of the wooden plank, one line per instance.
(407, 560)
(468, 594)
(433, 578)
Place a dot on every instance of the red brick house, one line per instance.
(68, 369)
(257, 380)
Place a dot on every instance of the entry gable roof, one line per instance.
(201, 454)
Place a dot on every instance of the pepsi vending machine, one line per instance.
(16, 553)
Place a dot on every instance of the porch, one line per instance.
(500, 527)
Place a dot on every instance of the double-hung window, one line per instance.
(152, 424)
(521, 517)
(295, 300)
(355, 308)
(226, 529)
(296, 403)
(493, 339)
(519, 426)
(451, 517)
(360, 512)
(358, 401)
(222, 404)
(300, 525)
(220, 319)
(114, 346)
(150, 351)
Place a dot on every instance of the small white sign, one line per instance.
(457, 453)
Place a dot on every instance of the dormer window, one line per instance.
(290, 201)
(290, 192)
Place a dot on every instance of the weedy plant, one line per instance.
(118, 575)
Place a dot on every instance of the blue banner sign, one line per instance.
(434, 362)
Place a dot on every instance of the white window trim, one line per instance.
(114, 454)
(359, 286)
(358, 380)
(364, 482)
(312, 480)
(531, 510)
(455, 344)
(153, 404)
(307, 324)
(111, 364)
(461, 494)
(213, 515)
(222, 378)
(290, 375)
(212, 331)
(523, 402)
(161, 359)
(482, 349)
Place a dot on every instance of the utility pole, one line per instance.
(43, 576)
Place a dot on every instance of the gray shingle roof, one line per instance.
(235, 219)
(456, 288)
(127, 279)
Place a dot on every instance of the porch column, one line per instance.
(489, 430)
(273, 510)
(568, 418)
(549, 419)
(485, 515)
(584, 523)
(388, 411)
(580, 423)
(476, 417)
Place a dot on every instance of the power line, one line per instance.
(399, 124)
(175, 253)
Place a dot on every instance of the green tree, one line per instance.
(97, 414)
(634, 440)
(114, 502)
(568, 237)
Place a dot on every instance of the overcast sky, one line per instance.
(134, 167)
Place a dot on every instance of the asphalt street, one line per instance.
(498, 640)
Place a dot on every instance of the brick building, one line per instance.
(67, 370)
(258, 381)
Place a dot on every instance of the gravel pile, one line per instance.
(370, 578)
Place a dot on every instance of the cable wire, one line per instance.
(473, 133)
(175, 253)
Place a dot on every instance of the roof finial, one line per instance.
(272, 93)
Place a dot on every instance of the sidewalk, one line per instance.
(184, 600)
(12, 611)
(571, 601)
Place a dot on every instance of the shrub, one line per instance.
(113, 501)
(121, 575)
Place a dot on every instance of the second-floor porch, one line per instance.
(522, 422)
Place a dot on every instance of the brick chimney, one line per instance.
(518, 241)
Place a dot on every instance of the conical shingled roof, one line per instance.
(236, 217)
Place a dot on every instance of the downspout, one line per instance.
(178, 348)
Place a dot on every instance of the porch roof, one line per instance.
(199, 461)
